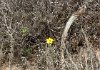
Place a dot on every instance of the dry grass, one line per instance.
(25, 25)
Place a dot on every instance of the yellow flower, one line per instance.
(49, 40)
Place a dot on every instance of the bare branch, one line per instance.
(73, 17)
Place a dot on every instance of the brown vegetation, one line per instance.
(26, 24)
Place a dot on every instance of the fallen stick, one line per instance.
(65, 33)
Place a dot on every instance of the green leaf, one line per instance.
(24, 30)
